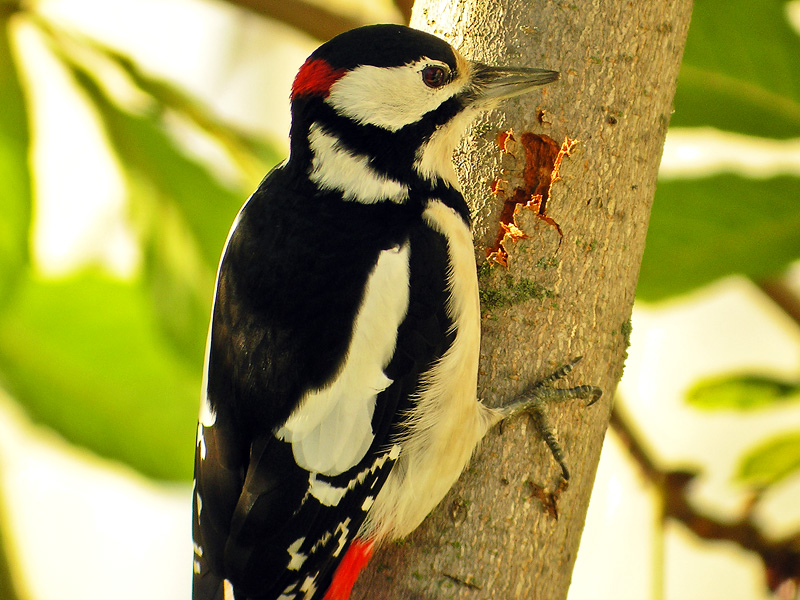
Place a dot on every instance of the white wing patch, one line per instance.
(344, 534)
(331, 430)
(325, 493)
(333, 167)
(288, 593)
(201, 441)
(228, 590)
(330, 495)
(296, 558)
(309, 586)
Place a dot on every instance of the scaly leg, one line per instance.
(536, 397)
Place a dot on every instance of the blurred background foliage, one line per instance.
(114, 363)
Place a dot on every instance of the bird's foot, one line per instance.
(535, 398)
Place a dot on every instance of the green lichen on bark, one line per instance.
(500, 289)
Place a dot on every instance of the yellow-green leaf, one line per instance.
(740, 69)
(742, 392)
(86, 357)
(15, 176)
(771, 461)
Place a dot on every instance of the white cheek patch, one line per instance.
(391, 97)
(434, 159)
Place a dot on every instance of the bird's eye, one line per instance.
(434, 77)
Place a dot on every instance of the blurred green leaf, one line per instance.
(180, 284)
(15, 189)
(770, 462)
(703, 229)
(252, 155)
(86, 357)
(145, 148)
(742, 392)
(740, 69)
(169, 192)
(182, 212)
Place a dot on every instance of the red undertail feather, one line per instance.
(356, 558)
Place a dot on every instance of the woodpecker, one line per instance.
(339, 400)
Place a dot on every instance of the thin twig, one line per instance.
(461, 581)
(781, 558)
(782, 294)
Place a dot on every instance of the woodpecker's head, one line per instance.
(391, 102)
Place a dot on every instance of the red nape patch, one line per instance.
(315, 78)
(355, 559)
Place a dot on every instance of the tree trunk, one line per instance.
(506, 530)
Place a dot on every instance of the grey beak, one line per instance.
(496, 83)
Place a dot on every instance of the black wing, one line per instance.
(286, 301)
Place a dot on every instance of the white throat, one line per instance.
(434, 159)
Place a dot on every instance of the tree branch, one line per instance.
(781, 558)
(405, 6)
(312, 19)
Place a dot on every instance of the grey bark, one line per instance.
(493, 536)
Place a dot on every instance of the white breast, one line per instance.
(448, 420)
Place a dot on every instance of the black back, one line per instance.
(286, 301)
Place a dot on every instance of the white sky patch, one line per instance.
(80, 525)
(79, 213)
(702, 152)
